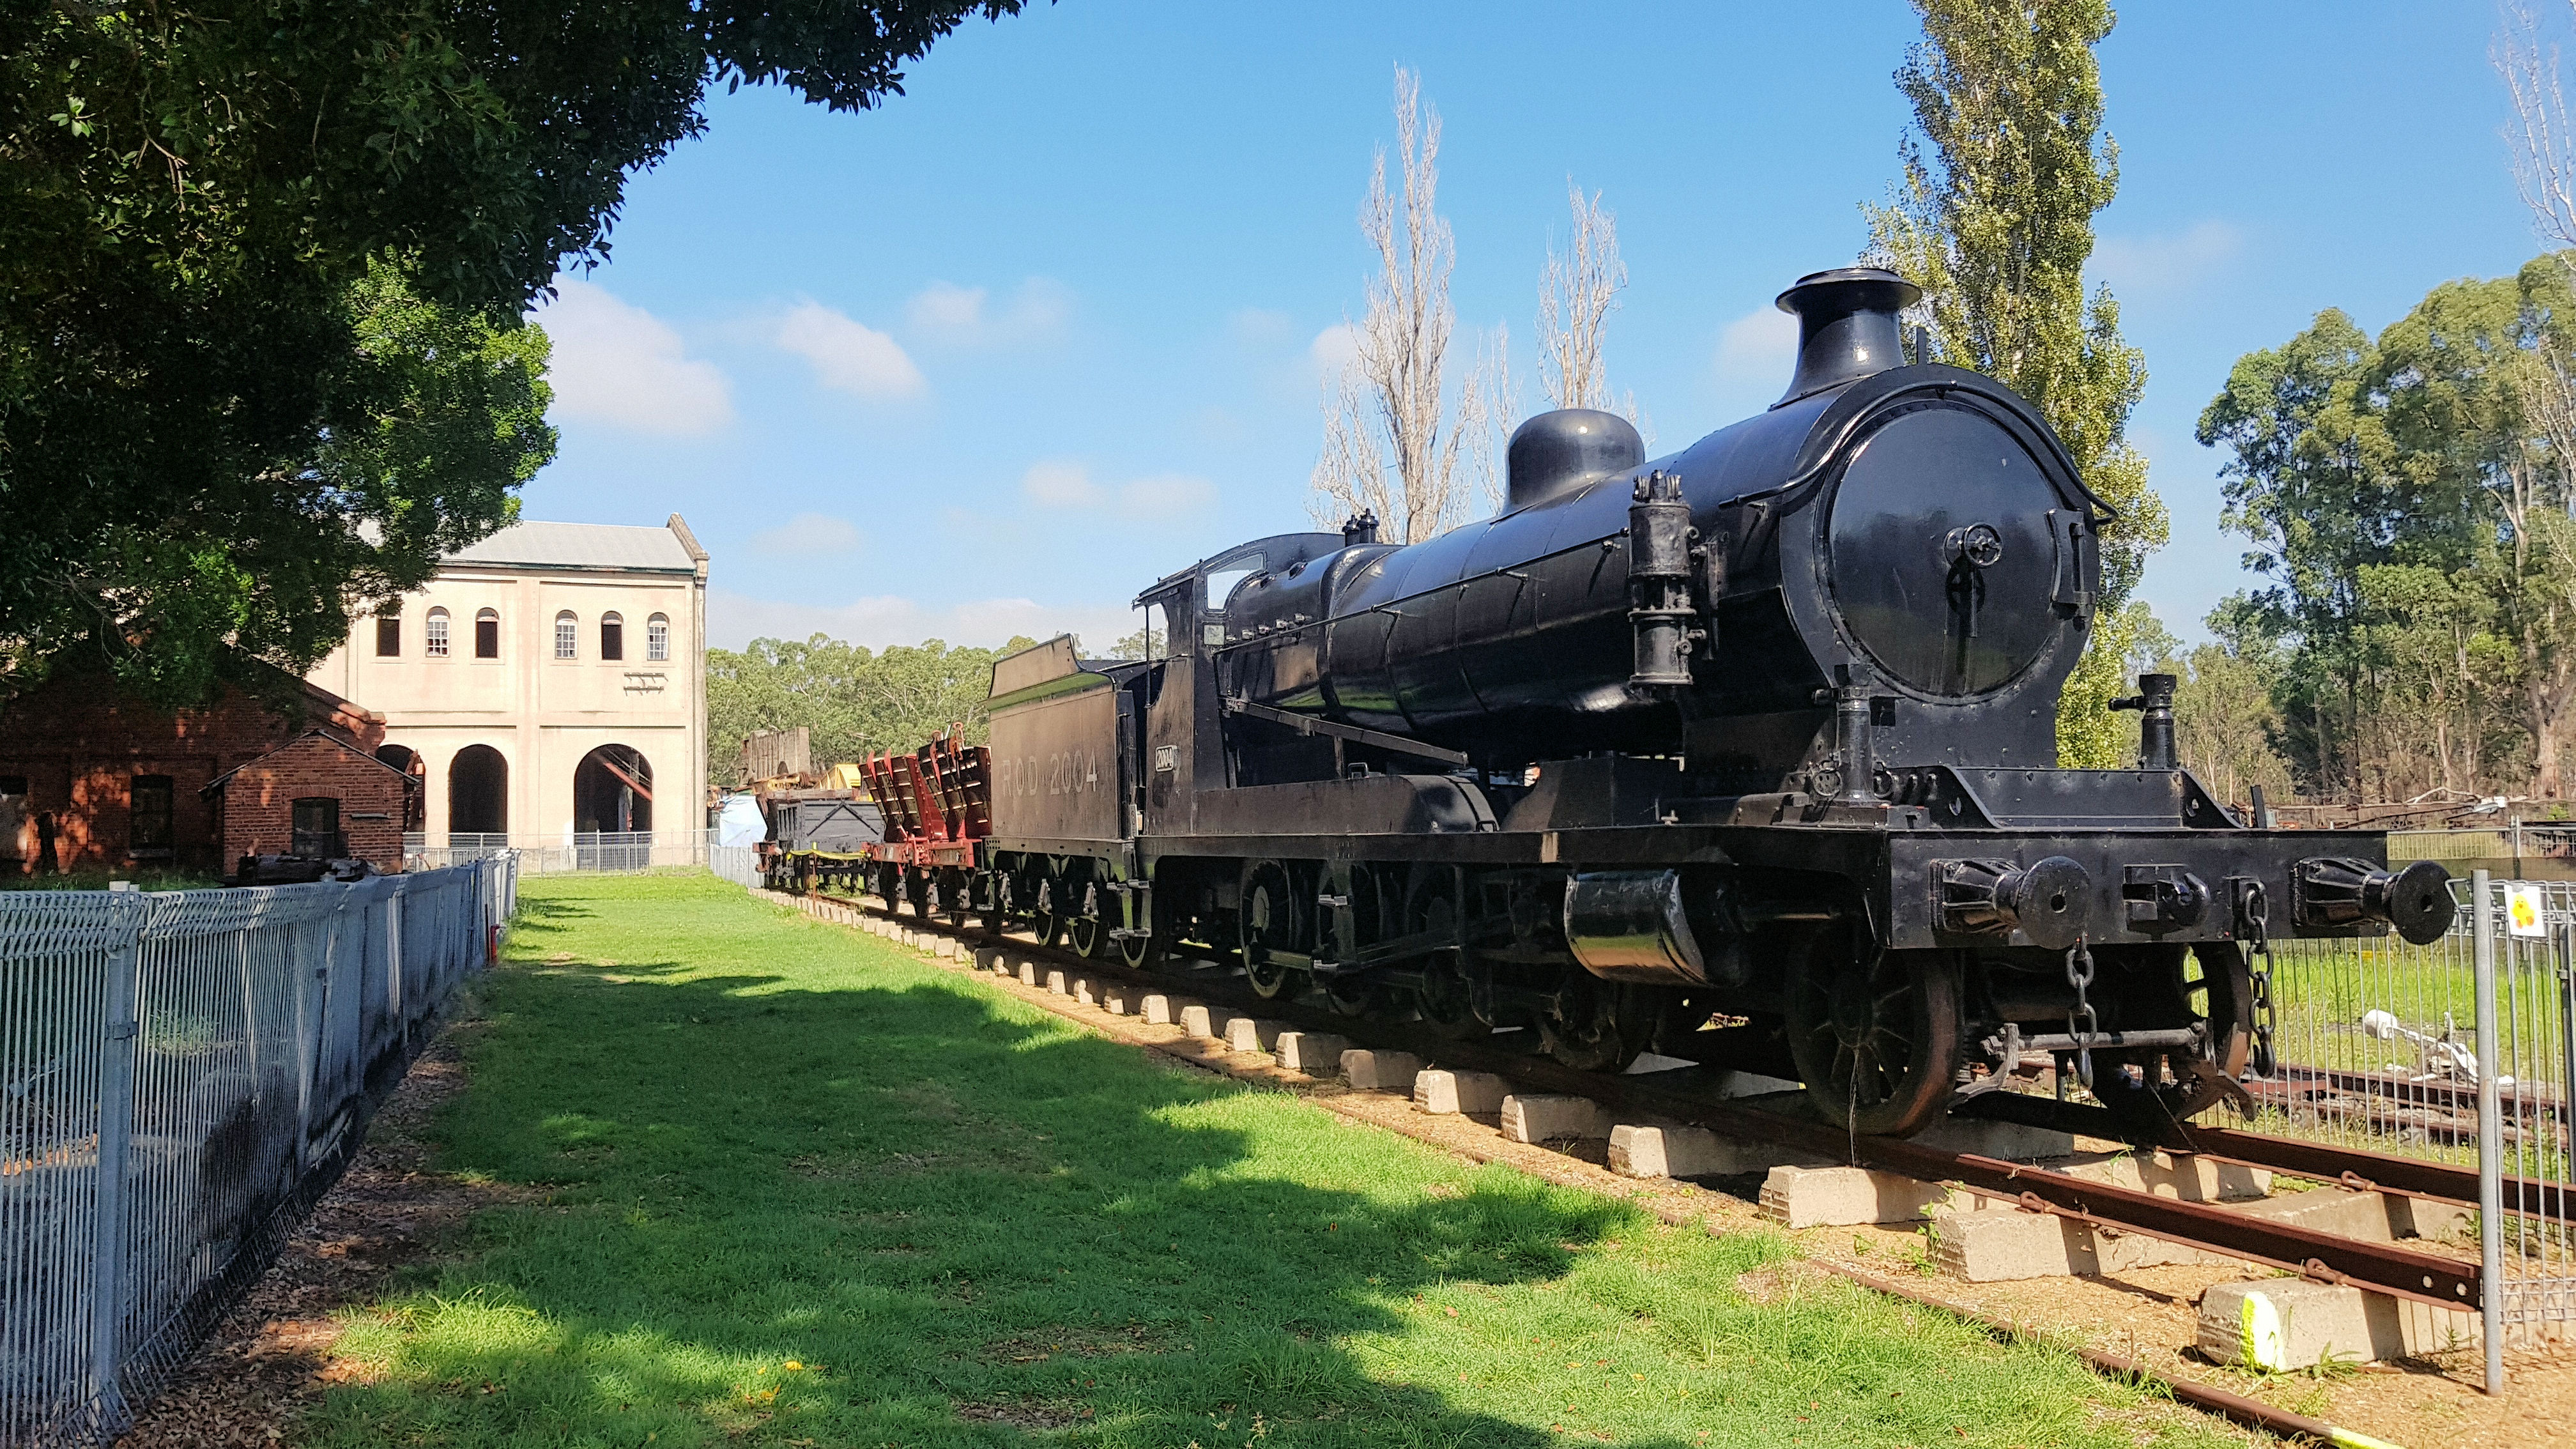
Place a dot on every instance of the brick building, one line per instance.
(91, 777)
(318, 796)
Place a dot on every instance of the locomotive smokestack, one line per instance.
(1847, 326)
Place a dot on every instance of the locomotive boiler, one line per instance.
(1745, 755)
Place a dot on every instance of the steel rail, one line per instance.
(2378, 1267)
(2357, 1168)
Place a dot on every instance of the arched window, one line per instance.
(657, 638)
(567, 636)
(487, 634)
(389, 630)
(612, 637)
(434, 634)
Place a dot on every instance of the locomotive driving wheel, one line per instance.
(2207, 984)
(1876, 1036)
(1445, 998)
(1596, 1025)
(1267, 919)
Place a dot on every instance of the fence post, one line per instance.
(2490, 1137)
(126, 911)
(394, 970)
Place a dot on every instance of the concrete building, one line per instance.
(548, 680)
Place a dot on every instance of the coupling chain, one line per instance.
(2081, 1021)
(2257, 909)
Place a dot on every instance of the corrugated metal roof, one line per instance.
(580, 546)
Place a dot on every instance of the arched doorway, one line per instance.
(612, 791)
(478, 796)
(415, 772)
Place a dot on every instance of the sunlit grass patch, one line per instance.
(801, 1188)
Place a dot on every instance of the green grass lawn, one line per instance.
(806, 1190)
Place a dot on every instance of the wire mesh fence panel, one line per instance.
(57, 952)
(181, 1075)
(2528, 1063)
(2379, 1046)
(2375, 1041)
(631, 850)
(737, 863)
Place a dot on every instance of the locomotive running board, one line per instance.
(1375, 739)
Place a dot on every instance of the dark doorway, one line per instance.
(415, 772)
(612, 790)
(478, 792)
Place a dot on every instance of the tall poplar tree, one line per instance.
(2005, 168)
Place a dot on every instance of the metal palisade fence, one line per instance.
(588, 850)
(2462, 1050)
(182, 1075)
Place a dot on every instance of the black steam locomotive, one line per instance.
(1744, 755)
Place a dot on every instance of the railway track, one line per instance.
(1688, 1096)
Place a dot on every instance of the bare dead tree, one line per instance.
(1576, 295)
(1487, 409)
(1390, 444)
(2543, 145)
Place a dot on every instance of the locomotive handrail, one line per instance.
(1378, 739)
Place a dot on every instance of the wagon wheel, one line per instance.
(1267, 922)
(1596, 1025)
(916, 889)
(1142, 953)
(890, 885)
(1353, 995)
(1445, 999)
(952, 896)
(995, 909)
(1085, 931)
(2153, 1089)
(1876, 1038)
(1046, 914)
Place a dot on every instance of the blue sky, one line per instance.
(989, 359)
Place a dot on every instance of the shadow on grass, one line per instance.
(912, 1216)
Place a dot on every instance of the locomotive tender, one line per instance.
(1745, 755)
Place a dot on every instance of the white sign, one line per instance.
(2523, 913)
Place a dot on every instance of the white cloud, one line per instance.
(810, 535)
(947, 307)
(734, 620)
(1259, 326)
(1165, 495)
(2167, 262)
(1334, 348)
(850, 356)
(956, 316)
(619, 364)
(1757, 350)
(1059, 485)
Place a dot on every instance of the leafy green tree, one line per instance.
(854, 701)
(2007, 164)
(2225, 721)
(2408, 498)
(262, 267)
